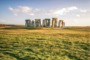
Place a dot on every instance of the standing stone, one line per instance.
(61, 24)
(46, 22)
(37, 22)
(28, 23)
(54, 22)
(33, 23)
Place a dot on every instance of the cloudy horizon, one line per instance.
(73, 12)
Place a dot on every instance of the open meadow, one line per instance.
(44, 43)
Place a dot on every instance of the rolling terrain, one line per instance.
(20, 43)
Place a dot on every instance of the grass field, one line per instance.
(44, 43)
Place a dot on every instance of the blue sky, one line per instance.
(73, 12)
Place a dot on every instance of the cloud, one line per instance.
(60, 12)
(31, 14)
(21, 9)
(14, 11)
(72, 8)
(25, 9)
(15, 14)
(78, 15)
(84, 11)
(37, 9)
(50, 12)
(63, 10)
(31, 11)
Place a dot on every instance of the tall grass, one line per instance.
(45, 44)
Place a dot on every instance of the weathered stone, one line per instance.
(33, 23)
(37, 22)
(61, 24)
(46, 22)
(54, 22)
(27, 22)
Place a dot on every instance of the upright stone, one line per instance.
(33, 23)
(54, 22)
(46, 22)
(37, 22)
(61, 24)
(28, 23)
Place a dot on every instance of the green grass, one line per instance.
(44, 44)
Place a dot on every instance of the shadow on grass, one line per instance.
(21, 27)
(73, 57)
(86, 29)
(14, 55)
(18, 58)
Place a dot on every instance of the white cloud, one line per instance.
(51, 12)
(31, 14)
(31, 11)
(14, 11)
(37, 9)
(84, 11)
(21, 9)
(72, 8)
(15, 14)
(78, 15)
(62, 11)
(25, 9)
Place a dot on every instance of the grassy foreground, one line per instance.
(44, 44)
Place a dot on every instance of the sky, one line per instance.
(73, 12)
